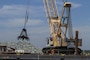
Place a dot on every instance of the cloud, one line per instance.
(36, 22)
(84, 28)
(13, 11)
(18, 22)
(75, 5)
(14, 15)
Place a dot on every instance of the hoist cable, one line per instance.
(27, 14)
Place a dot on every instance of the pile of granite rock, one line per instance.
(23, 45)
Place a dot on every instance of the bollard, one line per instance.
(18, 59)
(62, 58)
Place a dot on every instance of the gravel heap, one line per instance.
(23, 45)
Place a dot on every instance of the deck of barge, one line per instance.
(41, 57)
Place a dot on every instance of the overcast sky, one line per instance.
(12, 16)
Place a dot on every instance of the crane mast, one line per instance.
(67, 24)
(53, 20)
(66, 19)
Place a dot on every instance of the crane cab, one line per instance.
(49, 42)
(67, 4)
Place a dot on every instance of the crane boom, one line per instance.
(51, 8)
(53, 19)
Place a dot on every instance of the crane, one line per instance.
(23, 35)
(61, 38)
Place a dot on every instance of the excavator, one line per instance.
(61, 40)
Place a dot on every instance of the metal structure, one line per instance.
(54, 21)
(66, 23)
(23, 35)
(61, 38)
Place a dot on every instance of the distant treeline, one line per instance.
(87, 51)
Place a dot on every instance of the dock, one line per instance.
(41, 57)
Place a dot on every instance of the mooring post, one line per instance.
(76, 43)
